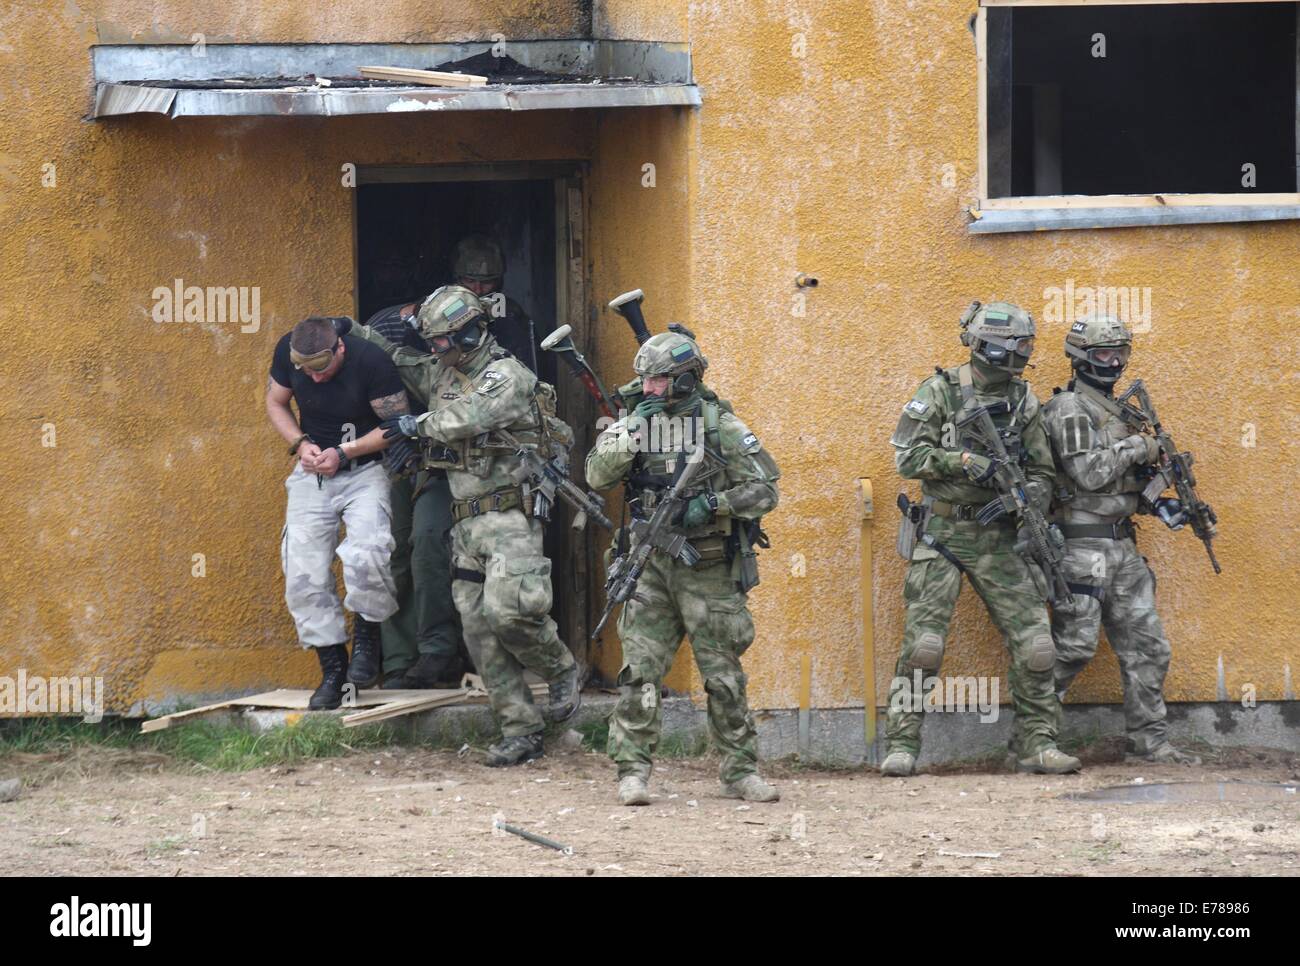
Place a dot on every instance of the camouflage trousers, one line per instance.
(501, 581)
(425, 622)
(360, 500)
(1128, 612)
(1017, 607)
(706, 604)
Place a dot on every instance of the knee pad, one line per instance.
(927, 654)
(726, 687)
(1042, 653)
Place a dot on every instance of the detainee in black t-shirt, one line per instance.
(347, 400)
(343, 387)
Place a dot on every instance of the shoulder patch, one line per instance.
(749, 443)
(492, 382)
(1076, 435)
(917, 409)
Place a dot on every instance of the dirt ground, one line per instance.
(404, 811)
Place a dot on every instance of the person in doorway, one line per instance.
(343, 387)
(479, 265)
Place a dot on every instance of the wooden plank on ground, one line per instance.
(430, 78)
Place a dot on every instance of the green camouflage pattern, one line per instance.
(928, 448)
(703, 602)
(506, 618)
(1015, 603)
(1098, 462)
(1128, 612)
(678, 600)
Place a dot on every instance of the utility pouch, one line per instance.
(912, 525)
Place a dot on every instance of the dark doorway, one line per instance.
(407, 224)
(407, 233)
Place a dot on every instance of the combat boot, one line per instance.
(564, 695)
(633, 790)
(366, 653)
(751, 788)
(1049, 761)
(1163, 754)
(334, 674)
(515, 750)
(429, 671)
(898, 764)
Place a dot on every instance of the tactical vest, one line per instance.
(652, 474)
(545, 432)
(1118, 498)
(1008, 415)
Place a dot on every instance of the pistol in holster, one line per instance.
(912, 525)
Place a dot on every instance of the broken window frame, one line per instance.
(1266, 204)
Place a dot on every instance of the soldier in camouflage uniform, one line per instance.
(479, 265)
(501, 580)
(955, 477)
(1102, 468)
(707, 601)
(422, 641)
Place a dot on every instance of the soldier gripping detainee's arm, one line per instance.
(1103, 467)
(343, 387)
(944, 539)
(422, 641)
(501, 579)
(673, 411)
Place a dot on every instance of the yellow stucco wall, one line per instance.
(831, 163)
(162, 446)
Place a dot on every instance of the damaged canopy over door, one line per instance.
(325, 79)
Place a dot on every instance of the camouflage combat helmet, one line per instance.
(478, 257)
(448, 311)
(669, 354)
(1000, 335)
(1098, 347)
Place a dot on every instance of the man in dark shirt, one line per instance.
(422, 641)
(343, 387)
(479, 265)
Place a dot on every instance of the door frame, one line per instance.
(572, 305)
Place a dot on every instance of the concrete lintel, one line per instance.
(989, 222)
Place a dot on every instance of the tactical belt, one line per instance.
(1087, 590)
(954, 511)
(473, 576)
(1124, 530)
(511, 498)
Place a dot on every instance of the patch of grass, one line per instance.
(231, 748)
(207, 744)
(691, 744)
(595, 733)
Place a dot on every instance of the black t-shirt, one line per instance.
(326, 409)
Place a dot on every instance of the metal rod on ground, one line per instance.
(535, 838)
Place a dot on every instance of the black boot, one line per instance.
(563, 695)
(430, 671)
(334, 674)
(366, 653)
(515, 751)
